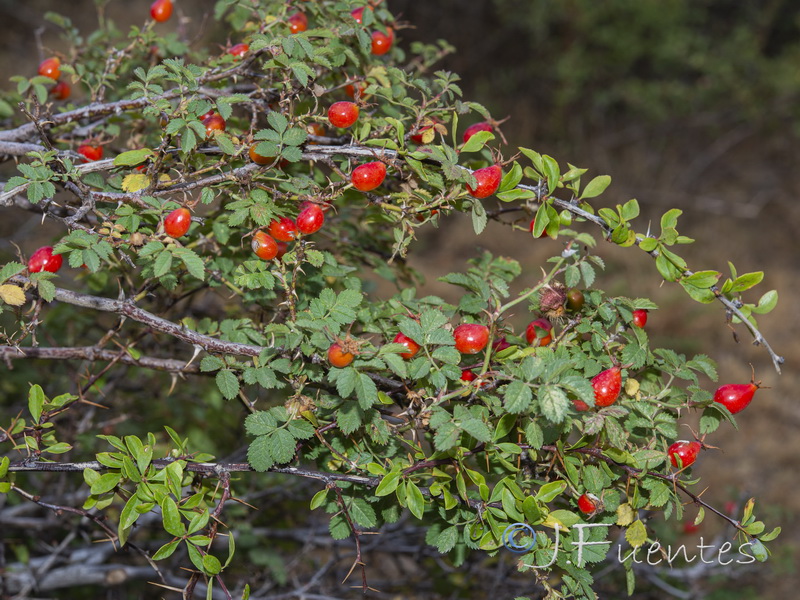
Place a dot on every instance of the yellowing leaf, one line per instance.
(428, 135)
(554, 523)
(624, 514)
(631, 387)
(12, 294)
(636, 534)
(135, 182)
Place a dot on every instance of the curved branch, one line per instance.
(128, 309)
(94, 354)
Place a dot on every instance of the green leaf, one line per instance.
(133, 157)
(479, 218)
(518, 396)
(447, 539)
(228, 384)
(362, 513)
(104, 483)
(553, 403)
(166, 550)
(596, 187)
(388, 484)
(36, 402)
(171, 517)
(477, 141)
(259, 455)
(703, 279)
(194, 264)
(211, 564)
(549, 491)
(282, 446)
(767, 302)
(746, 281)
(414, 500)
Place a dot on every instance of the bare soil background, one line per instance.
(738, 190)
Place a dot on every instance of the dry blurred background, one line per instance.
(685, 103)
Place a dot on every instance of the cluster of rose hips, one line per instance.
(51, 67)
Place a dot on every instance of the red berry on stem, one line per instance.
(50, 67)
(473, 129)
(61, 90)
(177, 222)
(640, 318)
(588, 503)
(735, 396)
(471, 338)
(283, 229)
(264, 246)
(539, 332)
(161, 10)
(685, 451)
(382, 42)
(44, 260)
(343, 114)
(213, 122)
(310, 219)
(413, 347)
(467, 375)
(488, 180)
(298, 22)
(90, 153)
(607, 386)
(338, 357)
(239, 50)
(368, 176)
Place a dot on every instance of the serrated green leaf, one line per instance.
(228, 384)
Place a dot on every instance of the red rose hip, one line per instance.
(488, 180)
(44, 260)
(735, 396)
(264, 246)
(640, 318)
(338, 357)
(239, 50)
(413, 347)
(213, 122)
(161, 10)
(382, 42)
(90, 153)
(310, 219)
(177, 222)
(607, 386)
(298, 22)
(471, 338)
(539, 332)
(61, 90)
(368, 176)
(50, 67)
(283, 229)
(343, 114)
(682, 453)
(588, 503)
